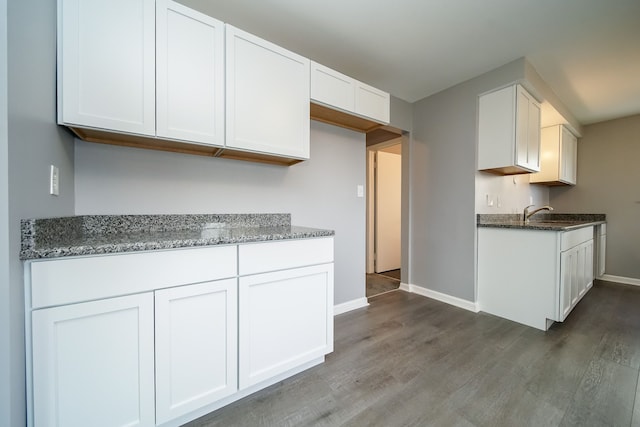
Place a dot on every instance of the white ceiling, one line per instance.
(588, 51)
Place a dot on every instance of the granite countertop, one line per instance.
(108, 234)
(545, 222)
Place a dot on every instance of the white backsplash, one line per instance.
(508, 194)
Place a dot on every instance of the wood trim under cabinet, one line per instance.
(328, 115)
(138, 141)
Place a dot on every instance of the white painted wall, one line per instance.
(510, 194)
(319, 193)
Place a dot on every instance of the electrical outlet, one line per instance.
(54, 181)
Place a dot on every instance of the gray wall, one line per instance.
(34, 143)
(5, 325)
(608, 182)
(320, 192)
(442, 188)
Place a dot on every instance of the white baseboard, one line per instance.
(620, 279)
(350, 305)
(438, 296)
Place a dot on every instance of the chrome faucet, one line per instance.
(526, 214)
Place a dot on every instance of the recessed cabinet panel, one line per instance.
(283, 321)
(568, 157)
(267, 96)
(93, 363)
(332, 88)
(372, 103)
(558, 153)
(190, 75)
(106, 64)
(508, 131)
(196, 346)
(356, 106)
(533, 131)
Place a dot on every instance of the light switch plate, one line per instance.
(54, 181)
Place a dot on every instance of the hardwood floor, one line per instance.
(407, 360)
(378, 284)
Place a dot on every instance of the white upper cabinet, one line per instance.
(332, 88)
(341, 92)
(559, 157)
(372, 103)
(509, 131)
(106, 64)
(267, 97)
(190, 74)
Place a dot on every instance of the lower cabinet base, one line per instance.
(241, 393)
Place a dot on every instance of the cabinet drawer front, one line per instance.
(575, 237)
(65, 281)
(272, 256)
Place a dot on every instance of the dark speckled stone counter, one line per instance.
(546, 222)
(107, 234)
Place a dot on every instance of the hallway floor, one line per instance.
(407, 360)
(379, 283)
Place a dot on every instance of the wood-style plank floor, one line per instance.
(407, 360)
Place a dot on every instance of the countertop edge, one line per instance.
(30, 254)
(540, 227)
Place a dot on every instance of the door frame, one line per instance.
(370, 220)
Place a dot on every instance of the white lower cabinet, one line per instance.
(283, 321)
(93, 363)
(196, 346)
(576, 266)
(601, 249)
(107, 347)
(533, 277)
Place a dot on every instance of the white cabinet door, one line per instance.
(106, 64)
(332, 88)
(576, 275)
(285, 320)
(341, 92)
(527, 130)
(190, 74)
(372, 103)
(509, 131)
(568, 281)
(602, 249)
(196, 346)
(267, 94)
(568, 156)
(558, 164)
(93, 363)
(588, 265)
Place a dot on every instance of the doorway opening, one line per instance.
(384, 212)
